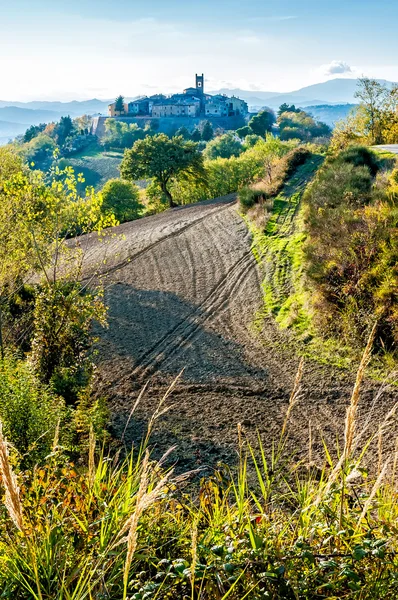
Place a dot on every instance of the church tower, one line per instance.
(200, 83)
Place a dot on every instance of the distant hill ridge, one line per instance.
(320, 97)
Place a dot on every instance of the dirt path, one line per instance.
(183, 289)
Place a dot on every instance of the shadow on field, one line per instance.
(163, 334)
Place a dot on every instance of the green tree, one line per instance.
(33, 131)
(262, 123)
(207, 131)
(287, 108)
(223, 146)
(374, 99)
(196, 136)
(164, 160)
(121, 198)
(119, 104)
(184, 133)
(243, 132)
(63, 129)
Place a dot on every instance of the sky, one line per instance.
(81, 49)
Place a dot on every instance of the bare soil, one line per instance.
(183, 290)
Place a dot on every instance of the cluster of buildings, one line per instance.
(193, 102)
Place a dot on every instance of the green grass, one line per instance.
(96, 166)
(286, 292)
(278, 528)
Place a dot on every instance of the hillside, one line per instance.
(184, 293)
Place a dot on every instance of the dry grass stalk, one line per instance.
(309, 442)
(351, 416)
(144, 500)
(55, 443)
(9, 480)
(194, 550)
(294, 396)
(91, 456)
(140, 395)
(375, 489)
(394, 467)
(379, 451)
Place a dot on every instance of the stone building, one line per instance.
(193, 102)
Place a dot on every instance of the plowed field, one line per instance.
(183, 289)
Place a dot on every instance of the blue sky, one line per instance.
(52, 49)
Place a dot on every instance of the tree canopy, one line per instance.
(262, 123)
(122, 199)
(223, 146)
(163, 159)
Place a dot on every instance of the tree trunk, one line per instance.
(168, 195)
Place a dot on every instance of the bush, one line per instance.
(122, 198)
(360, 156)
(249, 196)
(29, 411)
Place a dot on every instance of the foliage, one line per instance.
(30, 411)
(243, 132)
(207, 131)
(287, 108)
(165, 160)
(299, 125)
(262, 123)
(62, 341)
(33, 131)
(39, 151)
(121, 135)
(39, 212)
(223, 146)
(280, 163)
(352, 250)
(63, 130)
(119, 104)
(122, 199)
(375, 121)
(274, 528)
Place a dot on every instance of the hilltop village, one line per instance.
(193, 102)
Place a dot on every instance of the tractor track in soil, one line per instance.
(183, 289)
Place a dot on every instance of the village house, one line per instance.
(193, 102)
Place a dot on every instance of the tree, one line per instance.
(196, 136)
(183, 132)
(119, 104)
(122, 199)
(287, 108)
(223, 146)
(33, 131)
(301, 126)
(207, 131)
(243, 132)
(164, 160)
(63, 129)
(374, 98)
(262, 123)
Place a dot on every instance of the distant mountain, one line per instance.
(74, 108)
(28, 116)
(334, 91)
(330, 113)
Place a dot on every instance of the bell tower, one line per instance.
(200, 83)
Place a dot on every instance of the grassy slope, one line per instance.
(279, 251)
(96, 166)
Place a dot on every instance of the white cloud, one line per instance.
(336, 67)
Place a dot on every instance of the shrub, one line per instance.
(122, 198)
(360, 156)
(249, 196)
(29, 411)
